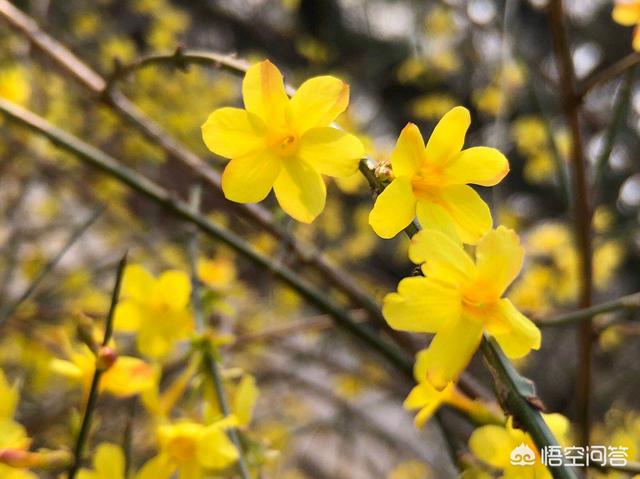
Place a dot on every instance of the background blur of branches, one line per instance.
(330, 408)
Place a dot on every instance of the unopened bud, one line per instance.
(106, 357)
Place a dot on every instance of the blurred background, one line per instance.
(327, 408)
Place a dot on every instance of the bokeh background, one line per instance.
(327, 408)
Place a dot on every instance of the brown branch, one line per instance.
(609, 73)
(581, 210)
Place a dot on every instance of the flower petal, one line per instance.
(479, 165)
(446, 260)
(318, 102)
(499, 258)
(300, 190)
(394, 208)
(449, 352)
(426, 398)
(128, 316)
(626, 13)
(137, 282)
(523, 335)
(263, 93)
(447, 138)
(409, 152)
(421, 305)
(331, 151)
(232, 132)
(250, 178)
(469, 212)
(434, 216)
(493, 444)
(215, 450)
(109, 461)
(173, 289)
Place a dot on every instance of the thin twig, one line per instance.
(630, 303)
(85, 427)
(609, 73)
(582, 214)
(210, 362)
(7, 310)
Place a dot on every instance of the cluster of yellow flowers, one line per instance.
(287, 143)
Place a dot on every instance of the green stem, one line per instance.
(209, 357)
(85, 427)
(630, 302)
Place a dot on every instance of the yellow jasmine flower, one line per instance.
(493, 445)
(127, 376)
(627, 13)
(191, 450)
(459, 298)
(244, 400)
(157, 310)
(108, 463)
(283, 143)
(432, 182)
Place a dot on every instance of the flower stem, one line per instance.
(85, 427)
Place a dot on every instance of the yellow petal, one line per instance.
(445, 259)
(447, 138)
(409, 152)
(137, 282)
(158, 467)
(264, 95)
(250, 178)
(318, 102)
(449, 352)
(499, 258)
(153, 344)
(421, 305)
(479, 165)
(300, 190)
(523, 335)
(215, 450)
(109, 461)
(128, 376)
(10, 397)
(493, 444)
(245, 399)
(232, 132)
(434, 216)
(470, 214)
(626, 13)
(394, 209)
(636, 39)
(128, 317)
(331, 152)
(173, 289)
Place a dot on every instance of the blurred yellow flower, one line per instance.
(459, 298)
(284, 144)
(157, 310)
(14, 84)
(432, 182)
(627, 13)
(433, 106)
(191, 450)
(108, 463)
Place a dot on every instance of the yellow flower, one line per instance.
(127, 376)
(282, 143)
(108, 463)
(459, 298)
(217, 273)
(156, 309)
(493, 445)
(627, 13)
(191, 449)
(432, 182)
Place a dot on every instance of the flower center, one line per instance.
(182, 448)
(427, 181)
(286, 145)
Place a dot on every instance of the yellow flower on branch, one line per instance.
(432, 182)
(191, 449)
(627, 13)
(108, 463)
(157, 310)
(458, 299)
(283, 143)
